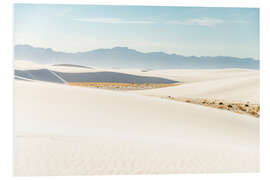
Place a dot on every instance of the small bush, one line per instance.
(254, 113)
(220, 107)
(241, 108)
(258, 109)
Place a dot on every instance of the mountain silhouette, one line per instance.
(123, 57)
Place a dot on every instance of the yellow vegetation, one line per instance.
(251, 109)
(111, 85)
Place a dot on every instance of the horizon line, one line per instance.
(135, 50)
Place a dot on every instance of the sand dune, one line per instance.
(64, 130)
(103, 76)
(28, 65)
(48, 73)
(234, 89)
(21, 78)
(229, 85)
(193, 75)
(106, 76)
(73, 65)
(40, 75)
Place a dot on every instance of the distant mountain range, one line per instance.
(123, 57)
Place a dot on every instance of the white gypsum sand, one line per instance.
(233, 89)
(64, 130)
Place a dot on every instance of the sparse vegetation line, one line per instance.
(121, 86)
(242, 108)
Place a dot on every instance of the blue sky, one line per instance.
(186, 31)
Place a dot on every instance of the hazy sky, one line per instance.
(182, 30)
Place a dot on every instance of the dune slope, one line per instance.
(239, 88)
(63, 73)
(63, 130)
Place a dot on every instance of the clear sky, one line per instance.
(186, 31)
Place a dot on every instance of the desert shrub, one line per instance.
(254, 113)
(220, 107)
(230, 106)
(241, 107)
(258, 108)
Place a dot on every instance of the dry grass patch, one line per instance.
(120, 86)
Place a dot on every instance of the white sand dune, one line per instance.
(63, 130)
(28, 65)
(73, 65)
(193, 75)
(233, 89)
(64, 73)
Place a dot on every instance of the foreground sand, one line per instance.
(68, 130)
(65, 130)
